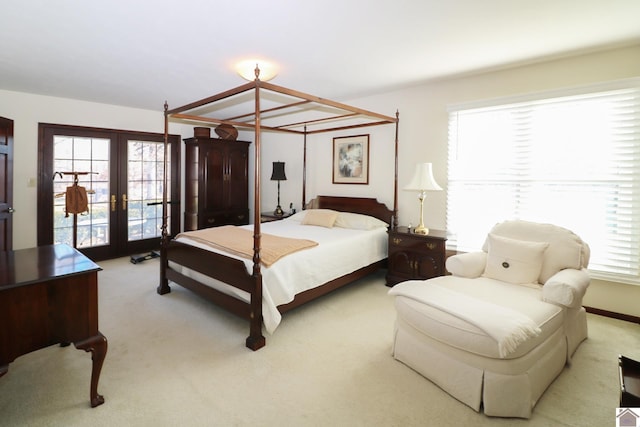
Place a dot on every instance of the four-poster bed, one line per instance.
(286, 111)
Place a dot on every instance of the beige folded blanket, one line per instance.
(239, 241)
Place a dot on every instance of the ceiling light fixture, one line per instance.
(247, 69)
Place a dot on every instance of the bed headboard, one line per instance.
(361, 205)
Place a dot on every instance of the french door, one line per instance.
(6, 184)
(122, 174)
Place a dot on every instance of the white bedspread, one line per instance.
(508, 327)
(340, 251)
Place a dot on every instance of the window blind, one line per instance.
(571, 160)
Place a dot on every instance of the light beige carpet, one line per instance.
(176, 360)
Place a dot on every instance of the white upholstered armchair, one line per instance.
(497, 331)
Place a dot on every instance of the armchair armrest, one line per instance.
(567, 287)
(470, 264)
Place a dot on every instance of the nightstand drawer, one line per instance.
(415, 256)
(421, 244)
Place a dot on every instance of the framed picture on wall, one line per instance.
(351, 159)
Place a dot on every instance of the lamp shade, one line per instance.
(423, 179)
(278, 172)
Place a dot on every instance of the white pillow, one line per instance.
(566, 249)
(514, 261)
(321, 217)
(358, 221)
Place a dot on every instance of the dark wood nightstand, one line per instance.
(270, 216)
(415, 256)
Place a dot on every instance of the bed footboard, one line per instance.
(225, 269)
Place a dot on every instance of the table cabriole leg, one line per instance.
(97, 345)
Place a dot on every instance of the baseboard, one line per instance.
(613, 314)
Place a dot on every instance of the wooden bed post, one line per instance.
(163, 286)
(256, 340)
(304, 170)
(395, 179)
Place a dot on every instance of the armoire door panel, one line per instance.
(214, 175)
(238, 184)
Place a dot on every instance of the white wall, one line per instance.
(423, 137)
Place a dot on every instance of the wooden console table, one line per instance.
(49, 295)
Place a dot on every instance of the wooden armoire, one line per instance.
(217, 181)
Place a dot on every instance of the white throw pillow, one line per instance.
(321, 217)
(566, 249)
(514, 261)
(358, 221)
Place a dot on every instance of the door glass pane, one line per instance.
(90, 157)
(145, 184)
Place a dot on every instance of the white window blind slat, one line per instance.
(569, 160)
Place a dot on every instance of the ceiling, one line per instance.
(141, 53)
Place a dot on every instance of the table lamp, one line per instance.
(278, 175)
(422, 182)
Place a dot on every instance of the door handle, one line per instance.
(124, 202)
(10, 210)
(113, 203)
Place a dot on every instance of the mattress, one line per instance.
(456, 332)
(340, 251)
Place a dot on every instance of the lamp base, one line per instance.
(421, 230)
(278, 211)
